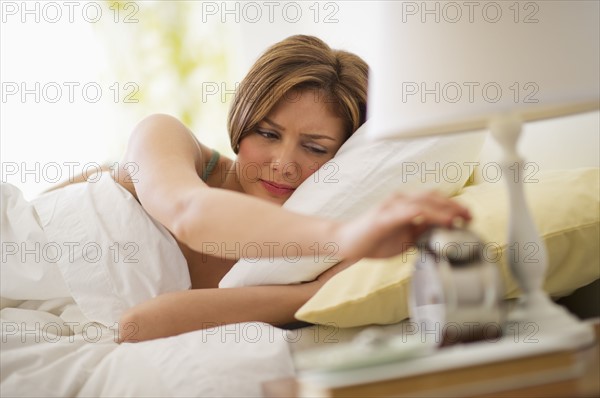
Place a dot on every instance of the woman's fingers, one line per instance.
(397, 223)
(424, 209)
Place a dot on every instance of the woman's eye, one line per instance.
(317, 150)
(267, 134)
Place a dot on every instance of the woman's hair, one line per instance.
(300, 62)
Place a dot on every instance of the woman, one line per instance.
(295, 108)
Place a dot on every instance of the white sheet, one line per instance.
(57, 345)
(41, 360)
(95, 237)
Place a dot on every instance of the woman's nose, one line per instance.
(285, 164)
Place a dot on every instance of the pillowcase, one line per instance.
(566, 209)
(363, 173)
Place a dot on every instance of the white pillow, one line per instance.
(361, 174)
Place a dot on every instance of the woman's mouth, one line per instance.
(277, 189)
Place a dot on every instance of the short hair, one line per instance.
(297, 63)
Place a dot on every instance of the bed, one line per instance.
(51, 348)
(60, 308)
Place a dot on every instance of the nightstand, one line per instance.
(586, 385)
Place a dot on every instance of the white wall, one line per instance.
(347, 25)
(554, 144)
(563, 143)
(40, 134)
(49, 134)
(40, 129)
(36, 134)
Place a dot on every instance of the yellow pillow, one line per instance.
(565, 206)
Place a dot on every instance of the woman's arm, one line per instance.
(185, 311)
(167, 183)
(387, 229)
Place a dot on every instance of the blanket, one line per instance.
(72, 261)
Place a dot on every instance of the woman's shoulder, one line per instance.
(215, 169)
(222, 175)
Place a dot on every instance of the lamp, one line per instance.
(444, 67)
(449, 67)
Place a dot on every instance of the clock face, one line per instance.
(455, 303)
(428, 299)
(428, 287)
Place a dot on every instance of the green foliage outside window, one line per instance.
(170, 57)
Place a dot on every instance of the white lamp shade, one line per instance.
(446, 67)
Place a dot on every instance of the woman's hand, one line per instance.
(396, 224)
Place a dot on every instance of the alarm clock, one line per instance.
(456, 296)
(456, 293)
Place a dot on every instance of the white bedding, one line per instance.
(91, 241)
(58, 339)
(38, 360)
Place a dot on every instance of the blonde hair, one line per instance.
(298, 63)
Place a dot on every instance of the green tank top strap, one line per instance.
(212, 162)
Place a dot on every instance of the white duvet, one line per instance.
(58, 312)
(38, 360)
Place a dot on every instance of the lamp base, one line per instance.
(537, 319)
(535, 313)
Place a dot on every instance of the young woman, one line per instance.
(295, 108)
(298, 104)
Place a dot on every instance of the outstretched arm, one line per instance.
(168, 186)
(185, 311)
(385, 230)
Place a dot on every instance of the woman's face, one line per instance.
(298, 136)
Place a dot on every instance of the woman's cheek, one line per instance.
(249, 154)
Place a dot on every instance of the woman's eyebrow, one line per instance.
(313, 136)
(272, 123)
(318, 136)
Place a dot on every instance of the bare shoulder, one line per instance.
(162, 130)
(223, 175)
